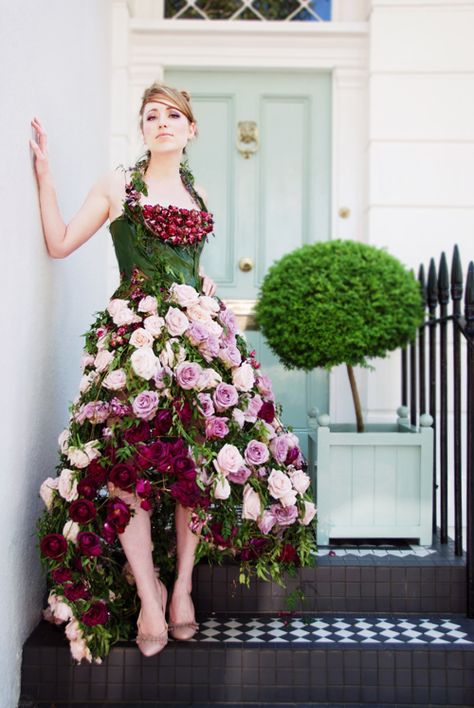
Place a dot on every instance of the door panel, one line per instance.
(269, 204)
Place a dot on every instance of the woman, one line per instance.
(172, 416)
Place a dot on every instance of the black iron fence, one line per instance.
(431, 376)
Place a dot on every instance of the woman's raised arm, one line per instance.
(62, 239)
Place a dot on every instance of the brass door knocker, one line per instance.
(247, 138)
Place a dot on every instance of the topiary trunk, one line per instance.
(356, 399)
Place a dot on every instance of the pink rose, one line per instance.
(171, 355)
(256, 453)
(243, 377)
(225, 396)
(87, 380)
(125, 317)
(279, 448)
(254, 405)
(47, 491)
(73, 630)
(77, 457)
(209, 348)
(80, 650)
(63, 440)
(251, 506)
(176, 322)
(196, 313)
(103, 359)
(148, 304)
(184, 295)
(300, 481)
(146, 404)
(209, 378)
(86, 360)
(279, 484)
(267, 522)
(228, 319)
(230, 356)
(222, 488)
(154, 324)
(216, 427)
(70, 530)
(115, 381)
(239, 477)
(264, 386)
(187, 374)
(209, 303)
(141, 338)
(285, 516)
(289, 498)
(308, 514)
(67, 484)
(206, 406)
(163, 378)
(228, 459)
(239, 417)
(91, 450)
(144, 362)
(116, 305)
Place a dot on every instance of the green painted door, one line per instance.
(266, 204)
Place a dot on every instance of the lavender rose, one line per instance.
(206, 406)
(256, 453)
(216, 427)
(285, 516)
(187, 374)
(225, 396)
(146, 404)
(228, 459)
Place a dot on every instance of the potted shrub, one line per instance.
(345, 302)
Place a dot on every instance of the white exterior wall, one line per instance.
(54, 59)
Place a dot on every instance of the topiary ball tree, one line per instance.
(338, 302)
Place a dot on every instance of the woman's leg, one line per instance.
(181, 609)
(136, 543)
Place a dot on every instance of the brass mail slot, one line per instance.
(244, 312)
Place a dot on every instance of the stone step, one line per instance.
(370, 658)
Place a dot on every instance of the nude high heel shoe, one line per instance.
(149, 644)
(183, 631)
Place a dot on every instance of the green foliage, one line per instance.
(337, 302)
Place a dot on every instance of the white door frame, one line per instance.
(142, 50)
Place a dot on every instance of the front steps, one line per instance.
(379, 628)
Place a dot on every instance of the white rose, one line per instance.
(209, 303)
(47, 491)
(309, 513)
(196, 313)
(126, 317)
(176, 322)
(86, 360)
(87, 380)
(154, 324)
(238, 416)
(148, 304)
(168, 357)
(300, 481)
(102, 342)
(222, 488)
(70, 530)
(288, 499)
(208, 378)
(115, 381)
(251, 506)
(63, 440)
(279, 484)
(103, 359)
(77, 457)
(141, 338)
(243, 377)
(91, 449)
(73, 630)
(184, 295)
(67, 485)
(116, 305)
(144, 362)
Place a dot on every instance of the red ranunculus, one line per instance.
(118, 514)
(266, 412)
(109, 532)
(87, 488)
(76, 591)
(137, 433)
(187, 493)
(82, 511)
(143, 488)
(163, 421)
(178, 447)
(61, 575)
(183, 409)
(96, 614)
(88, 543)
(292, 454)
(53, 545)
(123, 475)
(146, 504)
(184, 467)
(288, 554)
(96, 473)
(156, 455)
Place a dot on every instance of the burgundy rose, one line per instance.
(163, 421)
(87, 488)
(118, 514)
(254, 549)
(123, 475)
(183, 409)
(288, 554)
(177, 447)
(53, 545)
(138, 433)
(61, 575)
(184, 467)
(218, 538)
(109, 533)
(96, 473)
(266, 412)
(188, 494)
(292, 454)
(146, 504)
(156, 455)
(143, 488)
(96, 614)
(82, 511)
(77, 564)
(88, 543)
(76, 591)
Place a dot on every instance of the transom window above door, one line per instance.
(263, 10)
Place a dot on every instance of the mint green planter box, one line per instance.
(375, 484)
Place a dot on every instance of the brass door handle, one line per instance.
(245, 264)
(247, 138)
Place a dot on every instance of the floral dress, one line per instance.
(172, 407)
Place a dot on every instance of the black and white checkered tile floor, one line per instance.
(368, 629)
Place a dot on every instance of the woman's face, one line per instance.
(165, 128)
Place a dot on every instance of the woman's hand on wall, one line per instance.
(38, 146)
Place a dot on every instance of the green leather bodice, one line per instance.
(138, 247)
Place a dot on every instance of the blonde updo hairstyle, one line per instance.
(179, 99)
